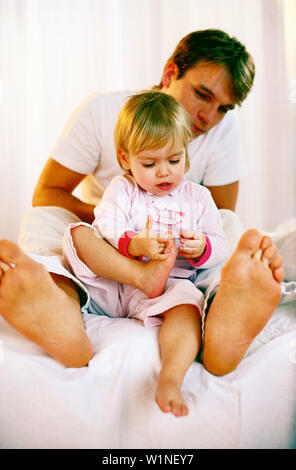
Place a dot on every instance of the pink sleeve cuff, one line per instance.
(206, 254)
(124, 241)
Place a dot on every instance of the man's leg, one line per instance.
(249, 292)
(44, 308)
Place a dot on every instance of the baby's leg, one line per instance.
(150, 278)
(179, 339)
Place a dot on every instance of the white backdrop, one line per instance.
(53, 53)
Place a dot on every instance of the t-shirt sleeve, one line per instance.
(78, 147)
(225, 163)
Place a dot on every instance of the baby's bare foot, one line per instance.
(33, 304)
(249, 292)
(155, 273)
(169, 398)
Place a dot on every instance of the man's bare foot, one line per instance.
(33, 304)
(169, 398)
(249, 292)
(155, 273)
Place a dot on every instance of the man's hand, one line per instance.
(149, 244)
(193, 244)
(55, 187)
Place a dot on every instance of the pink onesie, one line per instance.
(121, 214)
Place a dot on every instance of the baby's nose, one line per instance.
(162, 169)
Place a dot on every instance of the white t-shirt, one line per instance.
(87, 146)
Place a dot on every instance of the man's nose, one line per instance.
(208, 113)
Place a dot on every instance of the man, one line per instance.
(209, 73)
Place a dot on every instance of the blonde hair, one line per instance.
(148, 121)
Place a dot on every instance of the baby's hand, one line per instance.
(149, 244)
(192, 245)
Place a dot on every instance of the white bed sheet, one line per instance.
(110, 403)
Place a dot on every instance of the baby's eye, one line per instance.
(148, 165)
(174, 161)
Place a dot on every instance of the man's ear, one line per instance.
(123, 158)
(170, 72)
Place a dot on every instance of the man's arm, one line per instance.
(55, 186)
(225, 196)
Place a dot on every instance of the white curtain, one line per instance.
(53, 53)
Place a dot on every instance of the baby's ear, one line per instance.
(123, 159)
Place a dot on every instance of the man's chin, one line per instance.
(197, 131)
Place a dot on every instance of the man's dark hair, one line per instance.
(216, 46)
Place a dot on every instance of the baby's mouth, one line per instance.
(164, 186)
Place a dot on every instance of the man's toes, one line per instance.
(276, 262)
(269, 252)
(11, 253)
(250, 242)
(279, 274)
(4, 267)
(257, 255)
(265, 242)
(276, 266)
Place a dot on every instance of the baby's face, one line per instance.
(158, 171)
